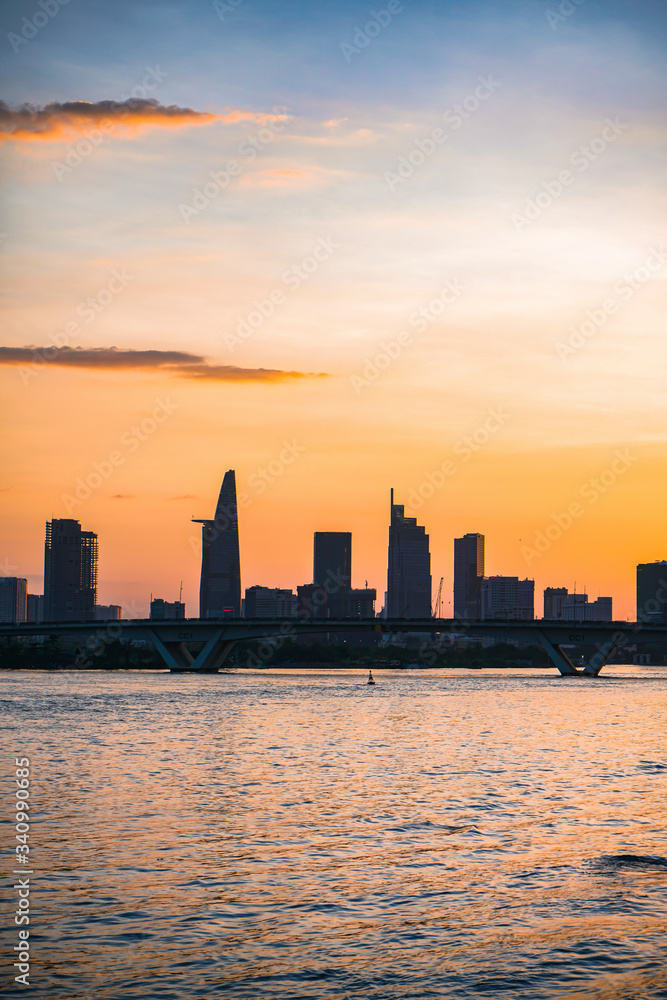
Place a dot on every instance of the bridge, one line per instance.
(174, 639)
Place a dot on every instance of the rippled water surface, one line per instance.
(301, 835)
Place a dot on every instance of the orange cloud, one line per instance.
(291, 177)
(282, 177)
(179, 363)
(230, 373)
(338, 138)
(55, 122)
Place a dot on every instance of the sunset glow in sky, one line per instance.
(430, 255)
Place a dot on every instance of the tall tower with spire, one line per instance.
(220, 587)
(409, 567)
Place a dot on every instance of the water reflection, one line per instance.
(279, 835)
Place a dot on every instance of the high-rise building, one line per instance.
(553, 603)
(652, 592)
(220, 587)
(162, 610)
(409, 567)
(267, 602)
(332, 571)
(13, 599)
(70, 572)
(508, 597)
(468, 576)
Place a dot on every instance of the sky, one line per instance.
(338, 248)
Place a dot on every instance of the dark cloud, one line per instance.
(181, 364)
(56, 121)
(97, 357)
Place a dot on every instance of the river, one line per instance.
(298, 834)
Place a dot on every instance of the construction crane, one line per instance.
(435, 611)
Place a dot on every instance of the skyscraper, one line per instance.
(220, 587)
(332, 571)
(409, 567)
(13, 599)
(70, 572)
(468, 576)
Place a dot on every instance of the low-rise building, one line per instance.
(13, 599)
(577, 608)
(162, 610)
(361, 603)
(553, 603)
(508, 597)
(108, 612)
(35, 608)
(559, 605)
(269, 602)
(652, 592)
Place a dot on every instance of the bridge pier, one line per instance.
(179, 659)
(560, 659)
(565, 665)
(597, 662)
(210, 660)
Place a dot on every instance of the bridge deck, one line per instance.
(171, 637)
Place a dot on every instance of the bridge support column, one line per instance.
(175, 654)
(178, 657)
(559, 658)
(597, 662)
(213, 655)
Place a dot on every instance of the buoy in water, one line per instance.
(370, 677)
